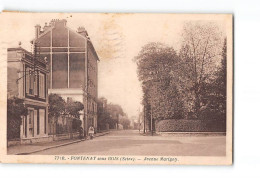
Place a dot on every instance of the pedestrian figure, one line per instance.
(81, 135)
(91, 132)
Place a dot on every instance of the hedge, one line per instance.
(189, 125)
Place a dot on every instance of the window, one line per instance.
(35, 83)
(31, 82)
(25, 127)
(27, 76)
(42, 122)
(38, 123)
(30, 116)
(45, 123)
(30, 121)
(41, 85)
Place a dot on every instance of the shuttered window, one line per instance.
(35, 84)
(27, 77)
(42, 85)
(31, 82)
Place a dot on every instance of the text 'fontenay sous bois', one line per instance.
(94, 158)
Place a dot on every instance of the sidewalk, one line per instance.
(37, 147)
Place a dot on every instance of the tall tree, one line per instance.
(125, 122)
(215, 92)
(156, 64)
(72, 109)
(200, 53)
(108, 114)
(59, 107)
(222, 80)
(56, 109)
(114, 111)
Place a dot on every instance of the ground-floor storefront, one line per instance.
(34, 126)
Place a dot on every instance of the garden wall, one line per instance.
(185, 125)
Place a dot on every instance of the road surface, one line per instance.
(130, 142)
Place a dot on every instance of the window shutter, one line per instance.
(41, 85)
(31, 83)
(27, 77)
(35, 84)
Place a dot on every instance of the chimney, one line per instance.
(82, 31)
(55, 22)
(37, 30)
(45, 26)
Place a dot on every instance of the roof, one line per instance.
(21, 49)
(28, 55)
(52, 25)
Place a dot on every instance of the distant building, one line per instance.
(73, 65)
(26, 79)
(102, 104)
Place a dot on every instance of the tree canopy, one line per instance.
(56, 106)
(188, 84)
(156, 69)
(109, 114)
(15, 110)
(199, 55)
(73, 108)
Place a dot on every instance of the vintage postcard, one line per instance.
(115, 88)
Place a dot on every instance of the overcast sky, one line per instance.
(117, 39)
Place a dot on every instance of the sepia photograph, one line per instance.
(116, 88)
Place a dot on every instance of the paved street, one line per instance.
(129, 142)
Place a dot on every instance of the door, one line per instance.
(42, 126)
(30, 121)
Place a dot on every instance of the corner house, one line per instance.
(27, 78)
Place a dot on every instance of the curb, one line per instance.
(46, 148)
(55, 146)
(101, 134)
(191, 133)
(185, 134)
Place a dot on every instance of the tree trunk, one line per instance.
(197, 105)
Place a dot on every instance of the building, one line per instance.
(73, 65)
(26, 79)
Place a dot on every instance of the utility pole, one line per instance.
(144, 119)
(151, 120)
